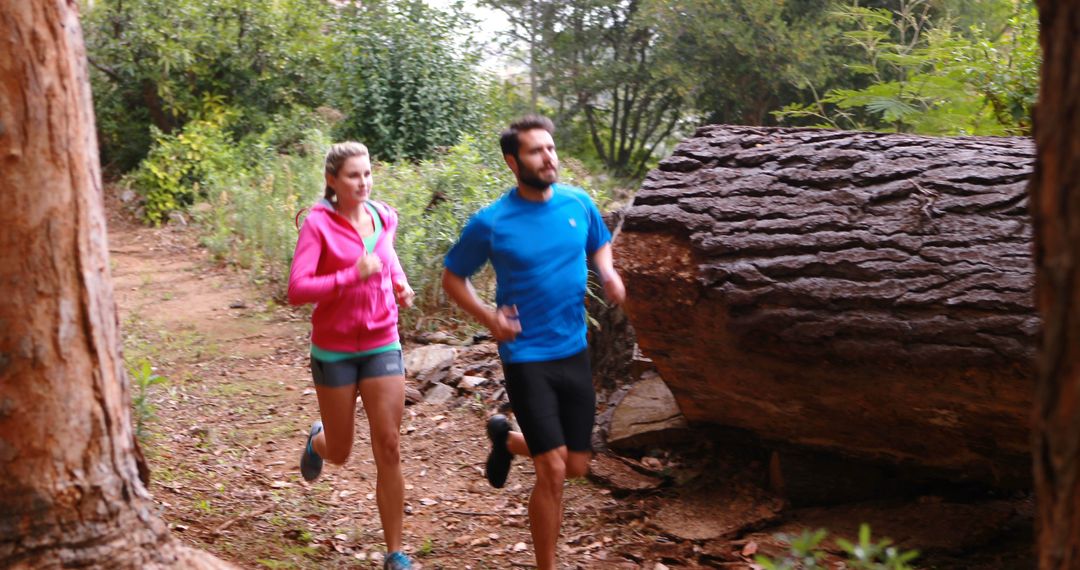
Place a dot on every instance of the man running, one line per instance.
(538, 237)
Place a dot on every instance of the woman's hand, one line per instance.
(368, 265)
(404, 294)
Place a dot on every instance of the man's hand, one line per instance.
(368, 265)
(404, 294)
(504, 324)
(614, 290)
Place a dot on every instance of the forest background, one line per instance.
(220, 111)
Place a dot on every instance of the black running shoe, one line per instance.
(498, 461)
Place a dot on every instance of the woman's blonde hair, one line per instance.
(339, 153)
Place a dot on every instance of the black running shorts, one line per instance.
(553, 402)
(350, 371)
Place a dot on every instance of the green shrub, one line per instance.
(408, 78)
(807, 553)
(180, 166)
(143, 378)
(248, 214)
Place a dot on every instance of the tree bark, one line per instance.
(862, 293)
(1055, 200)
(69, 490)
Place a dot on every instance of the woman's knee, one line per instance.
(386, 448)
(337, 449)
(338, 455)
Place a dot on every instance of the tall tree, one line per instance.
(407, 77)
(746, 57)
(1055, 204)
(69, 491)
(595, 61)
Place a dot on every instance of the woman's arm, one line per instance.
(304, 285)
(402, 291)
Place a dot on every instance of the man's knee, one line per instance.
(577, 464)
(551, 467)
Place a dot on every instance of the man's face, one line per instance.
(537, 162)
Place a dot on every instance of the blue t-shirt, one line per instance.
(539, 251)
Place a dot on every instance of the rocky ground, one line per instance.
(225, 424)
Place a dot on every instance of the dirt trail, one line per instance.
(233, 413)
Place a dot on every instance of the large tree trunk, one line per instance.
(69, 490)
(1055, 201)
(862, 293)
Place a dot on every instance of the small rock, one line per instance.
(436, 337)
(412, 395)
(127, 195)
(648, 414)
(439, 393)
(177, 218)
(425, 361)
(238, 304)
(520, 547)
(471, 383)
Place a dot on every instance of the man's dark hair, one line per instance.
(509, 141)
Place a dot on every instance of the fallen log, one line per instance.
(863, 293)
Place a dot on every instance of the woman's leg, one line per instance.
(337, 406)
(384, 403)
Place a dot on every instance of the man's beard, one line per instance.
(532, 178)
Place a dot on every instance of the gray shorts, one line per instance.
(350, 371)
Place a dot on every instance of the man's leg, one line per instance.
(545, 505)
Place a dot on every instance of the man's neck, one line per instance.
(534, 194)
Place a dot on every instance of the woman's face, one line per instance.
(352, 185)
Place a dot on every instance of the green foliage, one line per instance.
(143, 379)
(596, 62)
(180, 166)
(248, 214)
(807, 552)
(926, 77)
(155, 62)
(407, 80)
(742, 58)
(1005, 70)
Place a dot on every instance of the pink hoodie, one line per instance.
(351, 314)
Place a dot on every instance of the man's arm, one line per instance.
(614, 289)
(502, 323)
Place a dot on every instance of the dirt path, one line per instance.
(233, 412)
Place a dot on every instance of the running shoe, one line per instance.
(397, 560)
(498, 461)
(310, 462)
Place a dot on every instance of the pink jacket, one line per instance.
(351, 314)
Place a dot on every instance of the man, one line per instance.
(538, 237)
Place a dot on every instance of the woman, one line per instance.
(345, 263)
